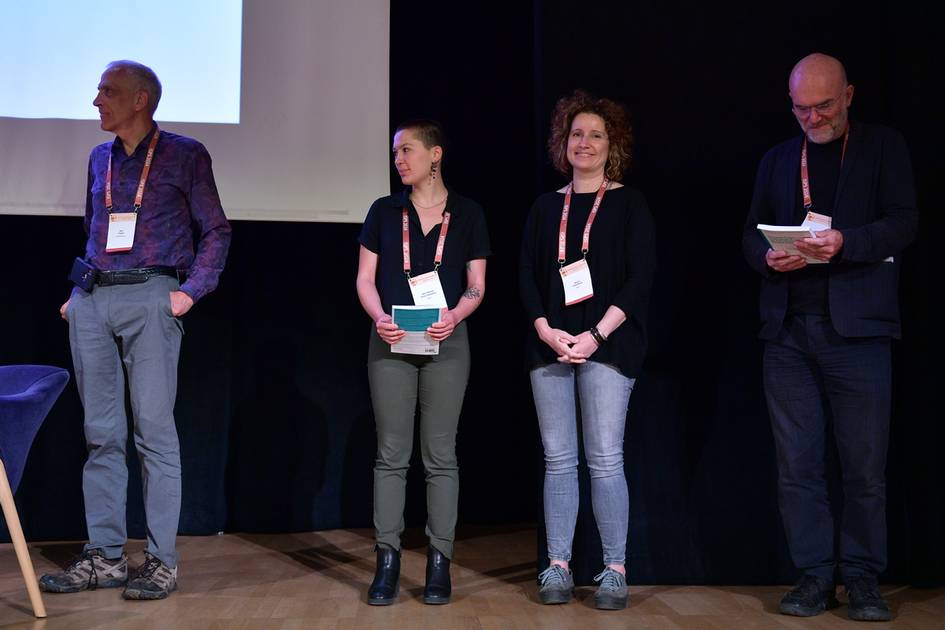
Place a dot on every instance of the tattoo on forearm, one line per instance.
(472, 293)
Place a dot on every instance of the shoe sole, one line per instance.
(555, 598)
(53, 588)
(381, 601)
(610, 603)
(796, 610)
(870, 614)
(385, 601)
(800, 611)
(138, 595)
(435, 601)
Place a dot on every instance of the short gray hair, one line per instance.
(144, 77)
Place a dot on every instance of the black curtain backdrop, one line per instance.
(273, 409)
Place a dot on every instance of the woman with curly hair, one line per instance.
(587, 264)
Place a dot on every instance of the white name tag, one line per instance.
(577, 282)
(121, 231)
(816, 222)
(427, 290)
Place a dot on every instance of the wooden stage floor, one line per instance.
(318, 580)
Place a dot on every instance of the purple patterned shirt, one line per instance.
(180, 211)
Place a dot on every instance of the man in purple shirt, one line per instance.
(157, 240)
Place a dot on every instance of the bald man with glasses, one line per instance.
(829, 311)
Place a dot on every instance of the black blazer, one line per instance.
(875, 210)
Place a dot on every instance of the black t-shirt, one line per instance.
(807, 287)
(467, 239)
(622, 261)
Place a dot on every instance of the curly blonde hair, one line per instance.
(616, 123)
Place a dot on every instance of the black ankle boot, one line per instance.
(438, 588)
(386, 585)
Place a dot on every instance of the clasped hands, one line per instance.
(569, 348)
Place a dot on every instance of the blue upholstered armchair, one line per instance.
(27, 393)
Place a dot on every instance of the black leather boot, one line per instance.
(438, 588)
(386, 585)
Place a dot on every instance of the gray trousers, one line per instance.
(397, 382)
(131, 326)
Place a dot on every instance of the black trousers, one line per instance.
(813, 376)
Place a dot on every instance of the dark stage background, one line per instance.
(273, 408)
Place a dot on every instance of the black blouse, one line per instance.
(622, 261)
(466, 240)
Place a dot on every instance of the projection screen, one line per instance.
(289, 96)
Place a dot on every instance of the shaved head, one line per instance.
(820, 96)
(819, 68)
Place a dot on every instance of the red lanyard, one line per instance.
(438, 257)
(144, 175)
(563, 229)
(805, 177)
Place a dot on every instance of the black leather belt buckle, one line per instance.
(83, 275)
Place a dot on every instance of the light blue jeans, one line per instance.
(604, 395)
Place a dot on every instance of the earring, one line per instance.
(433, 168)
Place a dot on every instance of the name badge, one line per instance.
(427, 290)
(577, 282)
(121, 232)
(816, 222)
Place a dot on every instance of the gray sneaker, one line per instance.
(556, 585)
(152, 580)
(90, 570)
(612, 592)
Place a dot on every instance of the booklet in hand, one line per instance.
(415, 320)
(781, 237)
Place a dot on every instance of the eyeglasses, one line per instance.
(821, 108)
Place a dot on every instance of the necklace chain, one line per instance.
(443, 200)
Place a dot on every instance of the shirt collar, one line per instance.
(118, 146)
(402, 200)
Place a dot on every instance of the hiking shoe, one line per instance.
(556, 585)
(152, 580)
(612, 592)
(865, 603)
(88, 571)
(811, 596)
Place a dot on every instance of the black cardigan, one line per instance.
(874, 209)
(622, 261)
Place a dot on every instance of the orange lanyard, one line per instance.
(438, 257)
(563, 228)
(805, 177)
(139, 195)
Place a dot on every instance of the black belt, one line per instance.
(133, 276)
